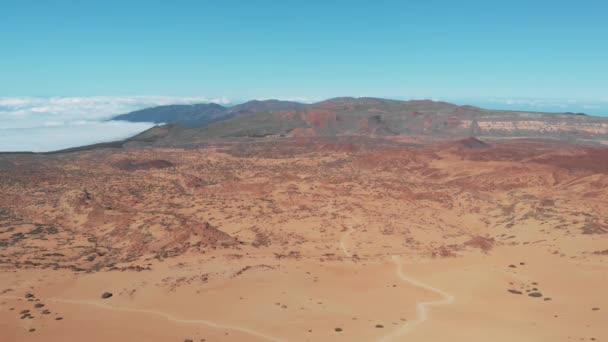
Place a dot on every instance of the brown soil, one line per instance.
(291, 239)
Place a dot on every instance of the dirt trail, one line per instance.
(422, 308)
(343, 244)
(163, 315)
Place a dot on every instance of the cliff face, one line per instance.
(536, 127)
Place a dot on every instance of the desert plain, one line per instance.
(307, 239)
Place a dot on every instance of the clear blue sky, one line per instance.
(246, 49)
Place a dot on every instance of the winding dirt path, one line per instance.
(422, 308)
(163, 315)
(343, 244)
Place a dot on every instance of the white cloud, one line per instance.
(57, 137)
(543, 102)
(592, 107)
(51, 123)
(21, 112)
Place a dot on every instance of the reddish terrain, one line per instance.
(307, 239)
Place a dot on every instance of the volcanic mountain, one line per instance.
(360, 116)
(197, 115)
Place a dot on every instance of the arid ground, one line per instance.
(307, 239)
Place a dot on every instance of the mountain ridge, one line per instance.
(383, 117)
(196, 115)
(349, 116)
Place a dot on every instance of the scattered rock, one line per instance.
(59, 318)
(106, 295)
(484, 243)
(338, 329)
(595, 309)
(29, 295)
(38, 305)
(32, 330)
(515, 291)
(472, 142)
(379, 326)
(535, 294)
(134, 165)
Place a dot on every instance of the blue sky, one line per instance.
(308, 49)
(67, 66)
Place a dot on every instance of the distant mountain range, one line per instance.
(359, 116)
(197, 115)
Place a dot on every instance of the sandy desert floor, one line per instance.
(307, 240)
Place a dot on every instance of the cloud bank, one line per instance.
(43, 124)
(595, 107)
(24, 112)
(53, 138)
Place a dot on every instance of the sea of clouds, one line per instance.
(589, 107)
(43, 124)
